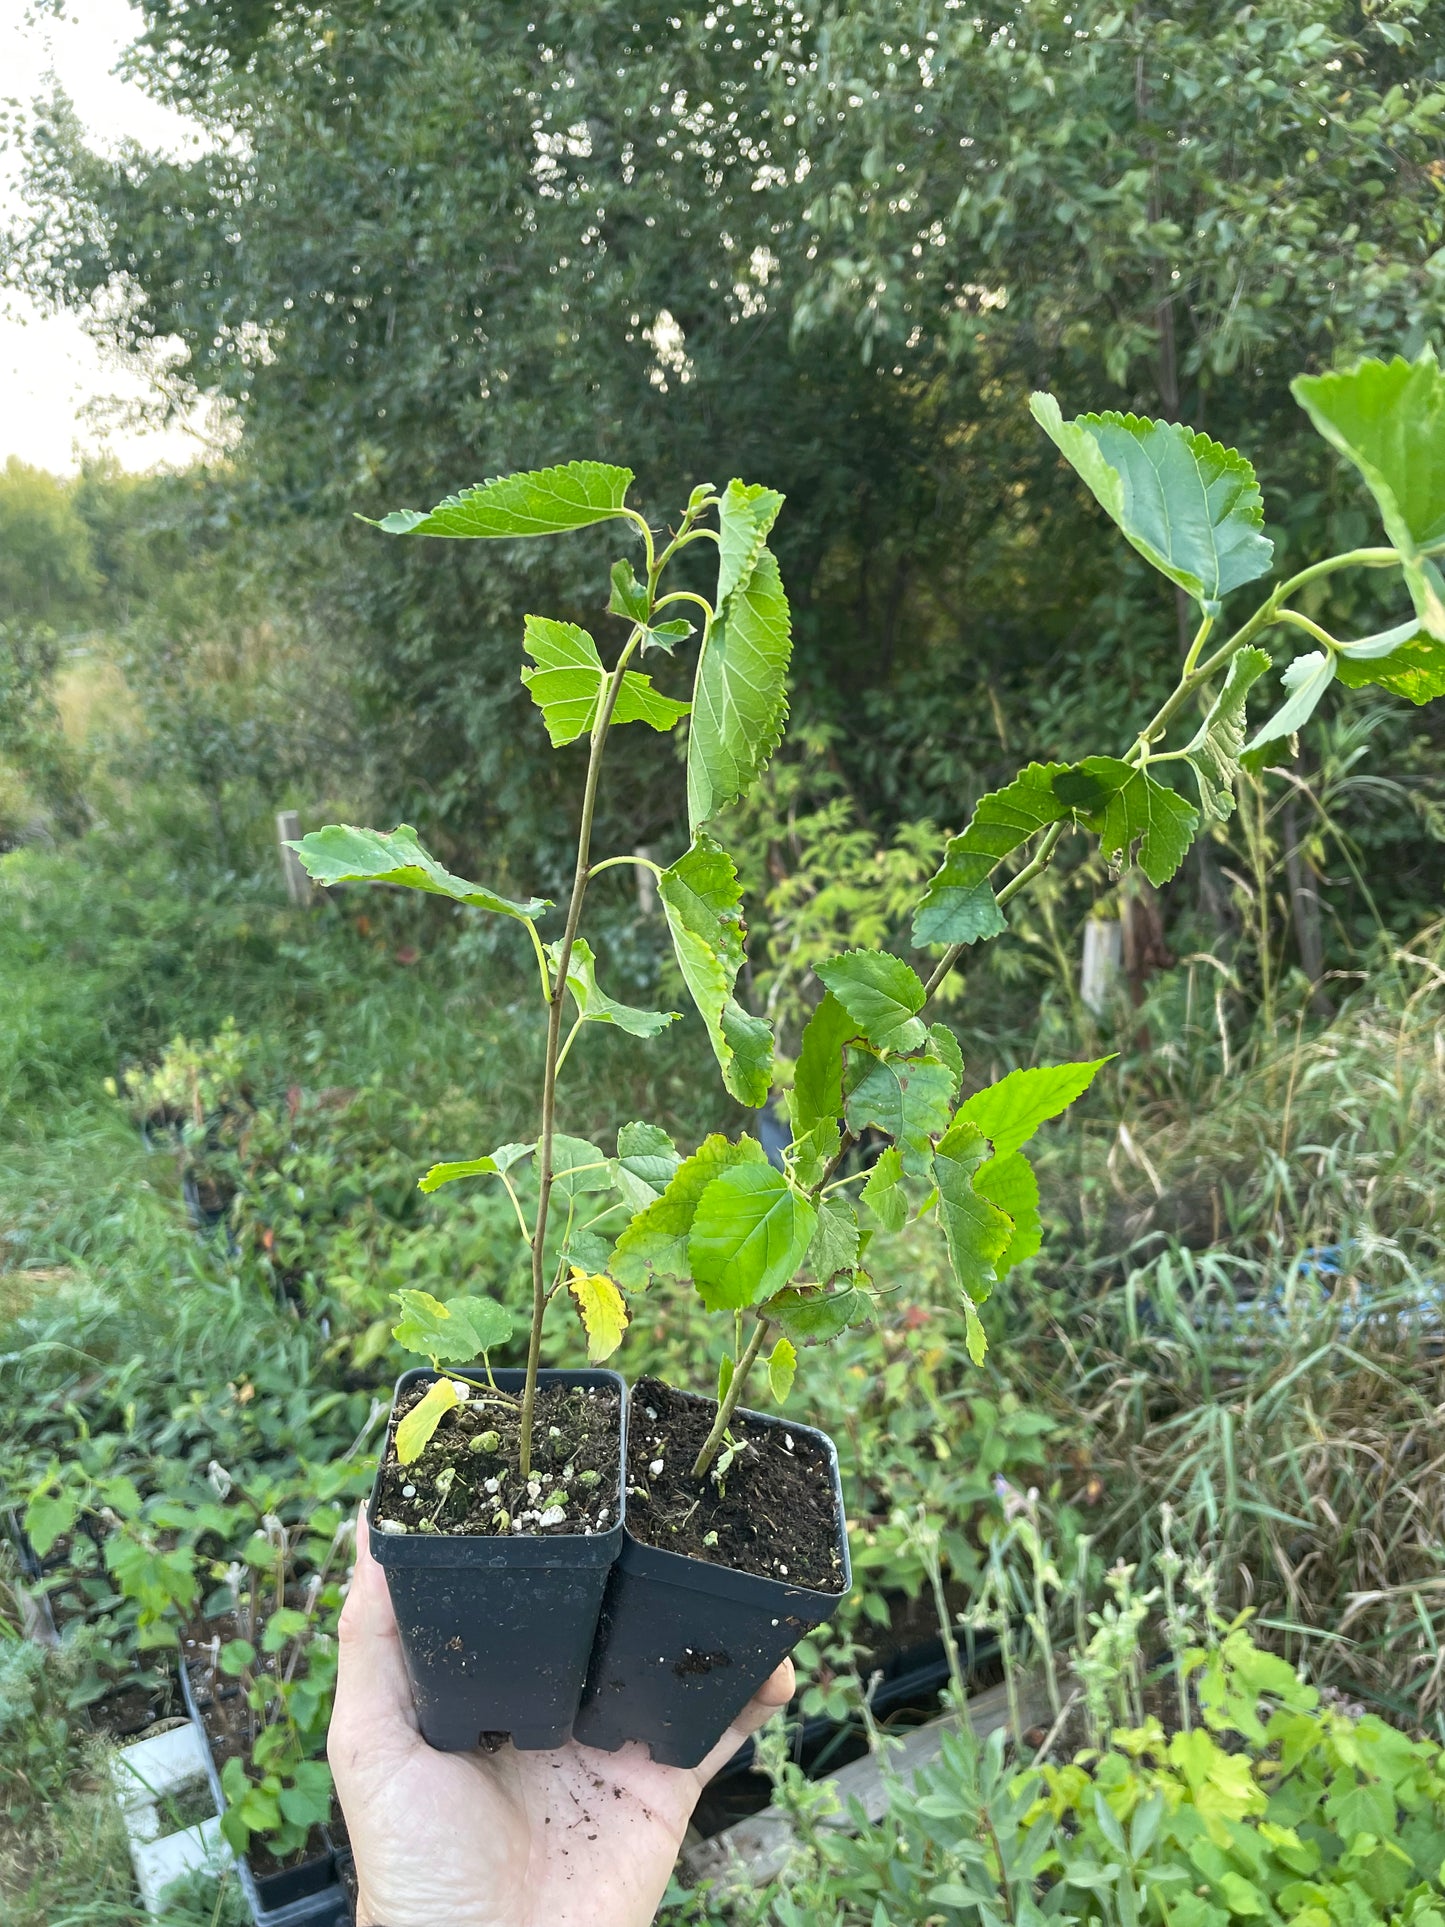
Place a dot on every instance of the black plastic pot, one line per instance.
(497, 1631)
(682, 1645)
(310, 1895)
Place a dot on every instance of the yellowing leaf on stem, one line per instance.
(603, 1312)
(414, 1432)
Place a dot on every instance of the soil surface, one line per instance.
(467, 1479)
(772, 1513)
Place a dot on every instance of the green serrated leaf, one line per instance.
(667, 635)
(750, 1233)
(908, 1097)
(654, 1244)
(1215, 752)
(817, 1093)
(958, 905)
(976, 1232)
(455, 1332)
(343, 854)
(543, 501)
(1405, 661)
(740, 693)
(1012, 1110)
(782, 1370)
(1388, 418)
(48, 1516)
(835, 1241)
(1009, 1183)
(948, 1050)
(594, 1005)
(701, 900)
(567, 680)
(1139, 810)
(579, 1167)
(881, 994)
(813, 1315)
(884, 1194)
(812, 1151)
(414, 1432)
(1304, 682)
(500, 1160)
(1189, 506)
(647, 1161)
(628, 597)
(746, 514)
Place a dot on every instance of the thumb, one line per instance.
(373, 1695)
(775, 1692)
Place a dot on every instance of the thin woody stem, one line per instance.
(730, 1403)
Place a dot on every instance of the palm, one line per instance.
(502, 1839)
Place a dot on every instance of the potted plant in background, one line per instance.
(733, 1542)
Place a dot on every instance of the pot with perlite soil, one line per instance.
(717, 1580)
(497, 1581)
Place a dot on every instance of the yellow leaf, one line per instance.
(414, 1432)
(602, 1309)
(781, 1369)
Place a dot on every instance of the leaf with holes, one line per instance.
(603, 1313)
(654, 1244)
(750, 1234)
(739, 694)
(343, 854)
(543, 501)
(702, 901)
(594, 1006)
(881, 994)
(1388, 419)
(908, 1097)
(1139, 811)
(1189, 506)
(1215, 751)
(958, 905)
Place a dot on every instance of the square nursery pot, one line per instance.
(496, 1631)
(311, 1895)
(683, 1644)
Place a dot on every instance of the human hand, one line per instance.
(502, 1839)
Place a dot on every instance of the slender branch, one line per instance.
(1193, 675)
(554, 1022)
(730, 1403)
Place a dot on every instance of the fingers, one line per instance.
(372, 1690)
(776, 1690)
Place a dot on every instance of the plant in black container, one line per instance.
(732, 1541)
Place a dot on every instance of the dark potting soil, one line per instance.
(772, 1513)
(460, 1486)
